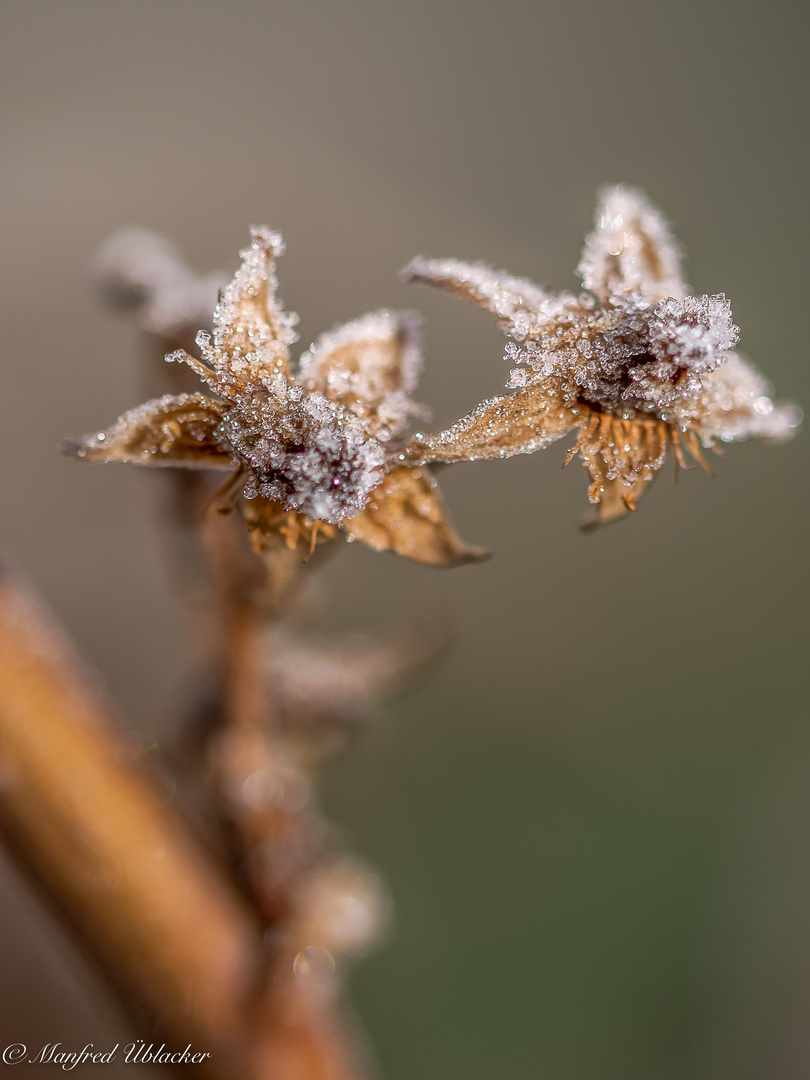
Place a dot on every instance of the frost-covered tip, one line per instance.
(635, 364)
(310, 443)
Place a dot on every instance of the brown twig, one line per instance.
(86, 823)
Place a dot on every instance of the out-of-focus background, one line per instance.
(595, 820)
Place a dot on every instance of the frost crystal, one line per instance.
(637, 367)
(303, 451)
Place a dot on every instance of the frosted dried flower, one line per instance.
(635, 364)
(310, 447)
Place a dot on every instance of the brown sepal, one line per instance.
(172, 430)
(529, 419)
(405, 515)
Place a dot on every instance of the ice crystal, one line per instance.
(310, 445)
(636, 364)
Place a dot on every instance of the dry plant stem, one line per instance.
(274, 841)
(84, 821)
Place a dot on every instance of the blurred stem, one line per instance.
(262, 794)
(85, 822)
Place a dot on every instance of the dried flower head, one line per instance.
(635, 363)
(310, 448)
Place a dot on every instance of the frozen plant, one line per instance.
(309, 448)
(634, 364)
(234, 933)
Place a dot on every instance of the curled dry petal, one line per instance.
(405, 515)
(533, 417)
(631, 250)
(371, 366)
(494, 290)
(172, 430)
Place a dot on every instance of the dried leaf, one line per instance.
(170, 431)
(533, 417)
(405, 515)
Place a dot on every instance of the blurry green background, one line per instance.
(595, 820)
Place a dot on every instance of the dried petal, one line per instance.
(405, 515)
(736, 404)
(530, 419)
(252, 332)
(181, 430)
(371, 366)
(494, 290)
(631, 250)
(520, 305)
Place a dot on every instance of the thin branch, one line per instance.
(85, 822)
